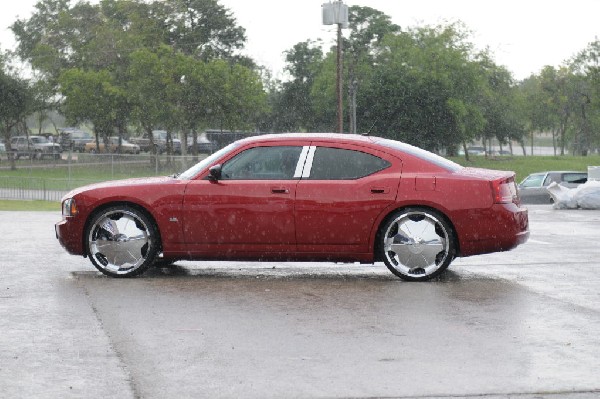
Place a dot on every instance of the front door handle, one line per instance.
(280, 190)
(380, 190)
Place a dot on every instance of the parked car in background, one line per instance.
(113, 146)
(34, 147)
(312, 197)
(74, 139)
(474, 150)
(204, 145)
(532, 189)
(160, 142)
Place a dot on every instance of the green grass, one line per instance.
(524, 166)
(21, 205)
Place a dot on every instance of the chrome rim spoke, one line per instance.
(413, 244)
(119, 242)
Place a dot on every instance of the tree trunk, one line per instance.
(465, 150)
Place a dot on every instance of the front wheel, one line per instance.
(416, 244)
(122, 241)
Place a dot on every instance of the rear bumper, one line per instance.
(499, 228)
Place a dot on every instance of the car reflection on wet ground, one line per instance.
(521, 324)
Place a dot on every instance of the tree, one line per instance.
(557, 95)
(98, 36)
(293, 108)
(202, 29)
(151, 77)
(586, 70)
(501, 106)
(425, 89)
(14, 106)
(92, 96)
(219, 94)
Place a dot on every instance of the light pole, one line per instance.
(337, 13)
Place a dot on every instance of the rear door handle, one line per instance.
(380, 190)
(280, 190)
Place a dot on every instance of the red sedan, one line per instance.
(302, 197)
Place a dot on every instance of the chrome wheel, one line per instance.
(121, 241)
(417, 244)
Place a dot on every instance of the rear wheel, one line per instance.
(416, 244)
(122, 241)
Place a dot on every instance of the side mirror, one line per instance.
(214, 173)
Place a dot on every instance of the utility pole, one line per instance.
(338, 83)
(352, 88)
(336, 13)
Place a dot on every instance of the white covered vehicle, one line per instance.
(585, 196)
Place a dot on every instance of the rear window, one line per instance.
(422, 154)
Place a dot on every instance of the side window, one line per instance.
(340, 164)
(551, 178)
(533, 181)
(263, 163)
(575, 178)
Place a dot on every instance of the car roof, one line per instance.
(559, 171)
(338, 137)
(346, 138)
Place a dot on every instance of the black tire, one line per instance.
(416, 244)
(122, 241)
(161, 262)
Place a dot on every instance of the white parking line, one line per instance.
(538, 242)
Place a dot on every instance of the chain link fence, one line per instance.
(50, 180)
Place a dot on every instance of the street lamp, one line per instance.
(337, 13)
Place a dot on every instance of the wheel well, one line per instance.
(102, 207)
(393, 211)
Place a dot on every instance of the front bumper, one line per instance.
(69, 235)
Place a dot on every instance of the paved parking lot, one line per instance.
(520, 324)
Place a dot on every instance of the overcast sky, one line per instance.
(523, 35)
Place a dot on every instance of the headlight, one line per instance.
(69, 207)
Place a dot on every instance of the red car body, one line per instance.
(205, 214)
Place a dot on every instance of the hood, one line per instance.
(47, 145)
(120, 183)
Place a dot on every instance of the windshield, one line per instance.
(39, 140)
(160, 135)
(200, 166)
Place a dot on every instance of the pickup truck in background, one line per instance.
(74, 139)
(34, 147)
(160, 142)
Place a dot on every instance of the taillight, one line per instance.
(505, 191)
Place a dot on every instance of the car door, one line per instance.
(343, 191)
(250, 209)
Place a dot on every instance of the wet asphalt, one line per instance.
(519, 324)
